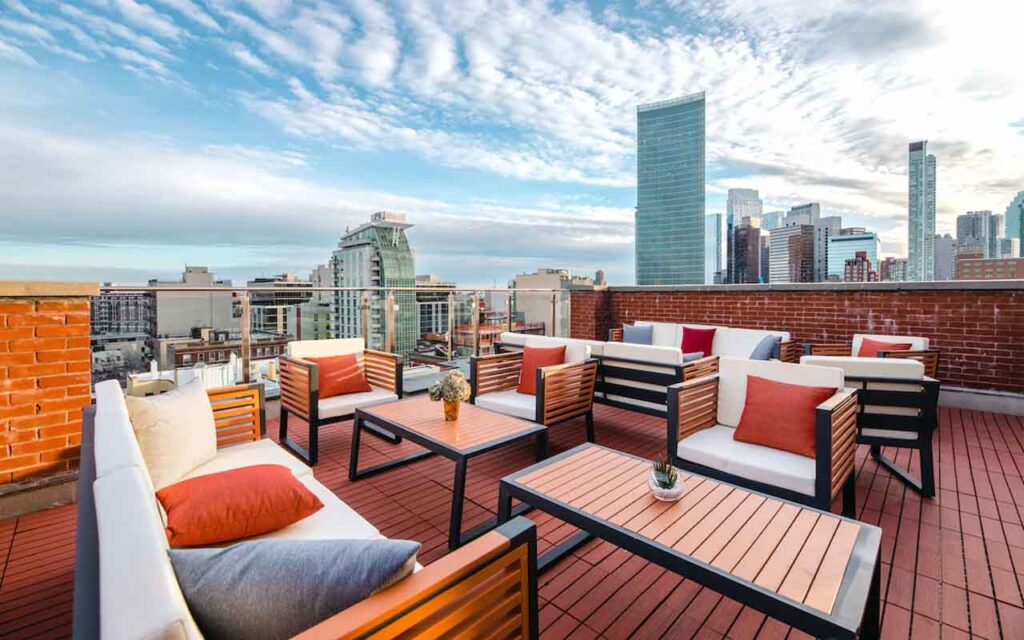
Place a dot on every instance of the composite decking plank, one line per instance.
(805, 566)
(823, 590)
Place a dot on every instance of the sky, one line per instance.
(137, 136)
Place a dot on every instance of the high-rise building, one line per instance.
(803, 214)
(921, 213)
(1015, 220)
(376, 256)
(1009, 248)
(824, 229)
(670, 192)
(859, 269)
(177, 313)
(122, 313)
(276, 311)
(792, 254)
(892, 269)
(772, 220)
(715, 250)
(945, 257)
(846, 246)
(535, 307)
(739, 203)
(746, 255)
(974, 229)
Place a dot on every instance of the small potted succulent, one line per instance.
(665, 482)
(452, 389)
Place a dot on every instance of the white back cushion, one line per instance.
(116, 447)
(917, 343)
(643, 352)
(732, 381)
(664, 334)
(511, 337)
(869, 367)
(575, 350)
(175, 432)
(139, 593)
(740, 343)
(325, 348)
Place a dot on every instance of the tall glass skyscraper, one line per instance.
(921, 214)
(714, 247)
(739, 204)
(670, 192)
(1015, 219)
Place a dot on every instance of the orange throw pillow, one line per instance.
(235, 504)
(869, 348)
(780, 415)
(340, 375)
(537, 358)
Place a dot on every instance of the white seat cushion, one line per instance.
(251, 453)
(325, 348)
(347, 403)
(175, 431)
(510, 403)
(917, 343)
(335, 520)
(732, 381)
(903, 368)
(139, 593)
(714, 447)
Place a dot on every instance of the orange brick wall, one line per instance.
(44, 383)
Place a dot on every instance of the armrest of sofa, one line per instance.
(383, 370)
(835, 441)
(299, 386)
(615, 335)
(928, 357)
(700, 368)
(565, 391)
(829, 349)
(239, 414)
(487, 586)
(692, 406)
(495, 372)
(789, 351)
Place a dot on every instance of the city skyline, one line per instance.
(141, 135)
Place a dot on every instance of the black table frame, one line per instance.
(366, 419)
(861, 582)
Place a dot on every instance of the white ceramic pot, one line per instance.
(666, 495)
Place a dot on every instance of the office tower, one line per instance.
(996, 232)
(772, 220)
(859, 269)
(376, 256)
(921, 213)
(808, 213)
(715, 248)
(277, 310)
(845, 246)
(1015, 221)
(746, 255)
(1009, 247)
(739, 203)
(974, 229)
(824, 229)
(766, 255)
(945, 257)
(892, 270)
(536, 307)
(178, 313)
(670, 192)
(121, 313)
(792, 254)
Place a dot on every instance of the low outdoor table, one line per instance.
(476, 432)
(814, 570)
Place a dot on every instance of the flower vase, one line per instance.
(451, 410)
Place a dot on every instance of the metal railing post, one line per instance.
(246, 346)
(474, 306)
(554, 313)
(364, 318)
(389, 323)
(451, 325)
(508, 310)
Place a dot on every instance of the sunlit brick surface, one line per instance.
(953, 565)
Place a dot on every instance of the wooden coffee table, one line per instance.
(476, 432)
(816, 571)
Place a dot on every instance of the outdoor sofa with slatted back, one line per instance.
(300, 392)
(704, 413)
(920, 350)
(126, 587)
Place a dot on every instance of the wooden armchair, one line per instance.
(703, 414)
(919, 351)
(564, 391)
(300, 389)
(488, 588)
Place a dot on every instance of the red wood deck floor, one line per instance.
(953, 566)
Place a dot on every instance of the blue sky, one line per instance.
(140, 135)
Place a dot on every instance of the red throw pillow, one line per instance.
(235, 504)
(869, 348)
(340, 375)
(537, 358)
(695, 340)
(780, 415)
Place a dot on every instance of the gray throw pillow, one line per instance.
(767, 349)
(633, 334)
(690, 357)
(276, 588)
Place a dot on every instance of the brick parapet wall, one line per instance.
(978, 329)
(45, 377)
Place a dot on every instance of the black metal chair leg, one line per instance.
(314, 443)
(850, 497)
(590, 426)
(927, 470)
(282, 430)
(458, 494)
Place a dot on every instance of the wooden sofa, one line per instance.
(898, 407)
(564, 391)
(125, 587)
(920, 350)
(704, 412)
(300, 395)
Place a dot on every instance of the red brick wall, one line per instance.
(44, 383)
(980, 332)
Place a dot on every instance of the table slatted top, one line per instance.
(796, 552)
(476, 427)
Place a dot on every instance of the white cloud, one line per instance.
(8, 51)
